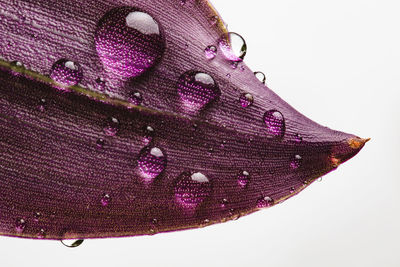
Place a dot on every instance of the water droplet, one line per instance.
(197, 89)
(66, 73)
(151, 162)
(20, 225)
(135, 98)
(264, 202)
(296, 162)
(246, 100)
(233, 46)
(260, 76)
(101, 84)
(234, 65)
(298, 138)
(292, 190)
(275, 123)
(148, 134)
(72, 243)
(214, 20)
(224, 202)
(228, 75)
(192, 189)
(41, 234)
(42, 104)
(128, 41)
(112, 126)
(243, 179)
(100, 143)
(105, 200)
(210, 51)
(36, 216)
(319, 179)
(17, 68)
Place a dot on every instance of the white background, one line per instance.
(338, 62)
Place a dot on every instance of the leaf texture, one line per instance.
(138, 149)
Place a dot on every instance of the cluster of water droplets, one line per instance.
(130, 42)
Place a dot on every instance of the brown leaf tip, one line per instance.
(357, 143)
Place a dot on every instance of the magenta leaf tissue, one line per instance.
(123, 118)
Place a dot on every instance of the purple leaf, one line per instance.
(121, 119)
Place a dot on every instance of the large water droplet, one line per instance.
(243, 178)
(192, 189)
(260, 76)
(20, 225)
(197, 89)
(246, 100)
(210, 51)
(128, 41)
(233, 46)
(296, 162)
(275, 123)
(66, 73)
(151, 162)
(72, 243)
(112, 126)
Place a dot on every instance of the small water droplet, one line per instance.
(66, 73)
(264, 202)
(183, 2)
(243, 179)
(214, 20)
(275, 123)
(234, 64)
(100, 143)
(128, 41)
(292, 190)
(72, 243)
(246, 100)
(20, 225)
(41, 234)
(298, 138)
(233, 46)
(112, 126)
(197, 89)
(319, 179)
(42, 104)
(192, 189)
(210, 52)
(17, 68)
(260, 76)
(105, 200)
(101, 84)
(296, 162)
(224, 202)
(37, 216)
(135, 98)
(148, 134)
(151, 163)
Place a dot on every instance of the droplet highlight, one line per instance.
(128, 41)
